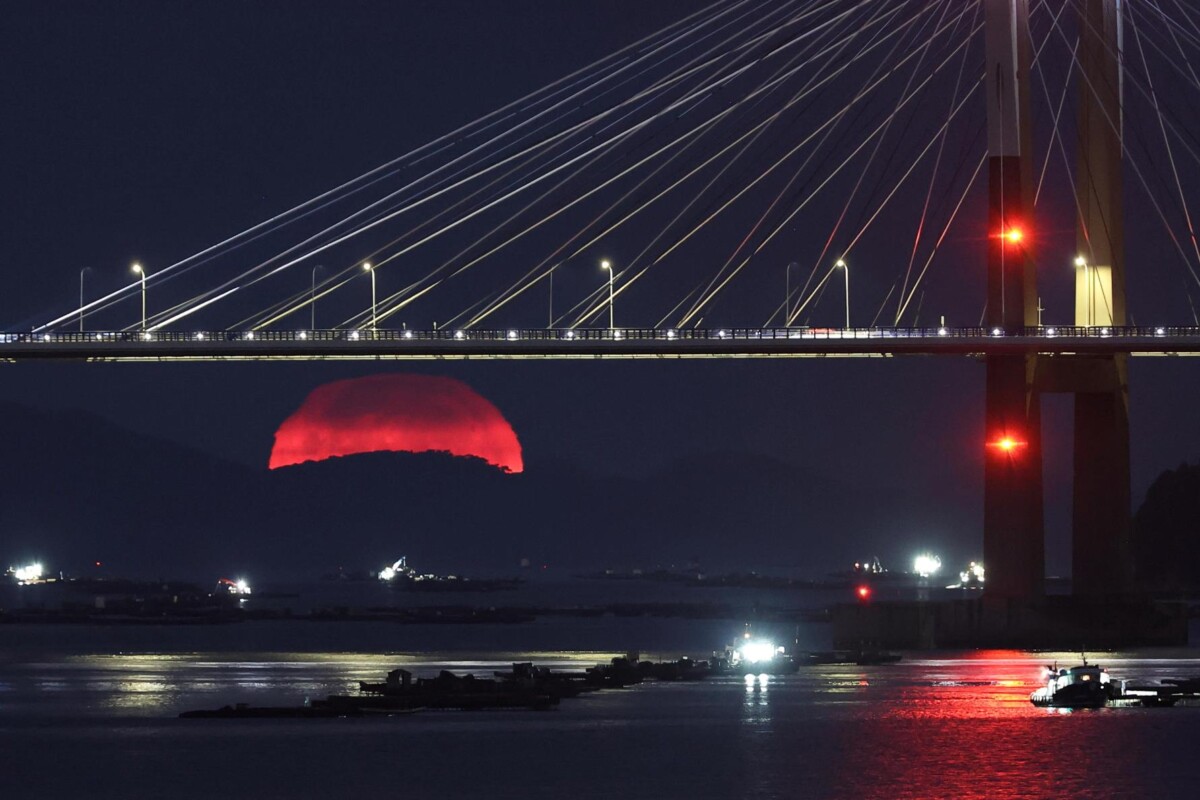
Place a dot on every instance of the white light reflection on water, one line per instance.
(162, 685)
(951, 726)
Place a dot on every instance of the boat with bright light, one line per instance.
(1085, 686)
(753, 656)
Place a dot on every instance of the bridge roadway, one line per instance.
(621, 343)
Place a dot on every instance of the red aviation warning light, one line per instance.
(1008, 445)
(864, 593)
(1013, 235)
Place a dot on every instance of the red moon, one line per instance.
(397, 413)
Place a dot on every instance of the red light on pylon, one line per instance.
(1008, 445)
(1012, 236)
(864, 593)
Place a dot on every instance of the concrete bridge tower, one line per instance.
(1101, 516)
(1014, 539)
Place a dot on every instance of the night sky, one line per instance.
(149, 130)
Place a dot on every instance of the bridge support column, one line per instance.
(1100, 557)
(1101, 523)
(1013, 536)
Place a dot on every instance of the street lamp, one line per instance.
(1081, 263)
(605, 265)
(846, 271)
(140, 270)
(367, 266)
(312, 324)
(85, 269)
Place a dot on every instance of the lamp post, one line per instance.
(1081, 263)
(140, 270)
(85, 269)
(846, 271)
(312, 324)
(367, 266)
(605, 265)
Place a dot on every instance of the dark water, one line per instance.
(90, 712)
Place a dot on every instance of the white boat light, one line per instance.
(757, 650)
(926, 564)
(28, 574)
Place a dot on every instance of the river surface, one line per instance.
(91, 712)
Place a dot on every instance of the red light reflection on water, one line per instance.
(965, 728)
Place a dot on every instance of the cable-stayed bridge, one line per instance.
(940, 159)
(624, 343)
(754, 165)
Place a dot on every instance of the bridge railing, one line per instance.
(399, 336)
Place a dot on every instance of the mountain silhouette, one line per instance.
(76, 489)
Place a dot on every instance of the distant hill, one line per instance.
(74, 489)
(1166, 531)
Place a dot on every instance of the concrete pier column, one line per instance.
(1101, 516)
(1013, 537)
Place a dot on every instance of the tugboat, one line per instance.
(1085, 686)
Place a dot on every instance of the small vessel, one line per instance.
(752, 656)
(1085, 686)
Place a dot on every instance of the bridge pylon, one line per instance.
(1101, 513)
(1014, 538)
(1013, 534)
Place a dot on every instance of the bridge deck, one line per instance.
(592, 343)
